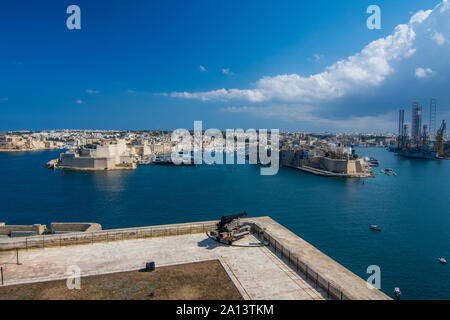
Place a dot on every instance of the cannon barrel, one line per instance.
(230, 229)
(228, 219)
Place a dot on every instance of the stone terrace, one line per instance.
(288, 268)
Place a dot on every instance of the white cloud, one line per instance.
(3, 99)
(203, 69)
(131, 91)
(317, 56)
(92, 91)
(423, 72)
(439, 38)
(227, 71)
(250, 95)
(420, 16)
(297, 97)
(79, 102)
(367, 68)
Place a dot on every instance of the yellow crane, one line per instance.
(440, 139)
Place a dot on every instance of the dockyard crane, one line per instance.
(425, 135)
(404, 138)
(440, 139)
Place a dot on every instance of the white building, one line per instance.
(109, 156)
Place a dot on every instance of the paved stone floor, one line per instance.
(257, 272)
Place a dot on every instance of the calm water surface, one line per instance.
(332, 214)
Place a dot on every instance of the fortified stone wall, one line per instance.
(358, 166)
(69, 160)
(292, 157)
(286, 157)
(338, 165)
(104, 157)
(333, 165)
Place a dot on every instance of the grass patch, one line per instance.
(195, 281)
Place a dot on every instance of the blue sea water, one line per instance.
(332, 214)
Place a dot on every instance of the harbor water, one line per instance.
(333, 214)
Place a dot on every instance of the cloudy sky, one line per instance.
(261, 64)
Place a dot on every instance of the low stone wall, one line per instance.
(56, 227)
(6, 229)
(55, 240)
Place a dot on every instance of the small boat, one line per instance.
(397, 292)
(389, 170)
(375, 228)
(372, 162)
(394, 173)
(442, 260)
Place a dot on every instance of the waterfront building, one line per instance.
(108, 156)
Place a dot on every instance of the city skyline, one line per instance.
(148, 65)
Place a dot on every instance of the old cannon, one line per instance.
(230, 228)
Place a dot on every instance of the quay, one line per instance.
(325, 173)
(287, 267)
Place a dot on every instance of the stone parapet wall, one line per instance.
(55, 240)
(336, 280)
(74, 227)
(6, 229)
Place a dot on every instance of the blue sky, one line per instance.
(163, 64)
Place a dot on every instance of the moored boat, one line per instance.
(397, 292)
